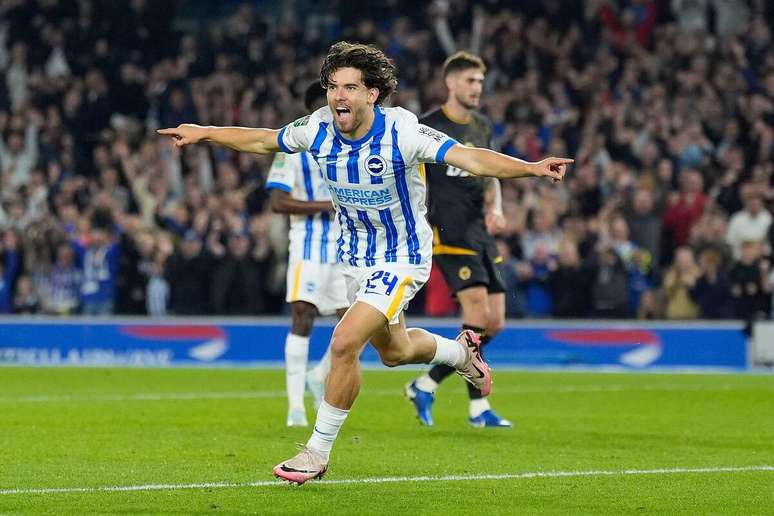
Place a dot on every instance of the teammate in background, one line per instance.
(464, 211)
(314, 282)
(370, 156)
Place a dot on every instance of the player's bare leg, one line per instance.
(396, 346)
(316, 376)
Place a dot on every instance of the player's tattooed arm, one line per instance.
(485, 162)
(281, 202)
(244, 139)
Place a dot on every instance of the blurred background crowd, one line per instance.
(666, 106)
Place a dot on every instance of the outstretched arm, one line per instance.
(485, 162)
(244, 139)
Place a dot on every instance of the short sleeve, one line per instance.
(432, 145)
(281, 174)
(423, 143)
(297, 136)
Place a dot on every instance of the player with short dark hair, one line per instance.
(464, 210)
(370, 158)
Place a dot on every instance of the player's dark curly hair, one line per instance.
(378, 70)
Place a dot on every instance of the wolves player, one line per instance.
(314, 282)
(370, 158)
(464, 208)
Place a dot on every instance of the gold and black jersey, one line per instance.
(456, 197)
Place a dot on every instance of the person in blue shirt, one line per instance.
(9, 268)
(98, 260)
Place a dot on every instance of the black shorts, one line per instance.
(463, 271)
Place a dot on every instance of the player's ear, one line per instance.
(448, 81)
(373, 94)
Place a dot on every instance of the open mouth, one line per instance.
(343, 114)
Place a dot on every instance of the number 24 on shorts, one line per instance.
(385, 286)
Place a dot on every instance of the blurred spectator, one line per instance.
(97, 257)
(9, 268)
(188, 272)
(645, 224)
(678, 282)
(63, 285)
(534, 280)
(685, 208)
(750, 224)
(134, 271)
(569, 283)
(19, 153)
(158, 288)
(237, 281)
(543, 232)
(712, 290)
(514, 297)
(26, 300)
(710, 233)
(609, 292)
(750, 282)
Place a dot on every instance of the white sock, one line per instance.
(326, 428)
(425, 383)
(477, 407)
(321, 370)
(449, 352)
(296, 352)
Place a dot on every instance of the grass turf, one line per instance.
(64, 428)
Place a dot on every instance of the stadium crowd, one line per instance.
(667, 107)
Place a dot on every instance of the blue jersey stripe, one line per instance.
(375, 146)
(333, 157)
(307, 177)
(308, 237)
(370, 256)
(352, 237)
(352, 171)
(391, 253)
(278, 186)
(319, 138)
(340, 241)
(325, 218)
(399, 168)
(284, 148)
(440, 156)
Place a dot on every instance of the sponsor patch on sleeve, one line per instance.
(301, 121)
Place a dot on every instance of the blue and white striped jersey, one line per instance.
(374, 182)
(312, 237)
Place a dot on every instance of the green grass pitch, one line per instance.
(172, 429)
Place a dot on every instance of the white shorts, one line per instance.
(388, 287)
(321, 284)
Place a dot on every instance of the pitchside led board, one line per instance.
(260, 341)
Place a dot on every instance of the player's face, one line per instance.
(466, 87)
(351, 102)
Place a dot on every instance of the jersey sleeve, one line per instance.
(425, 144)
(281, 174)
(297, 136)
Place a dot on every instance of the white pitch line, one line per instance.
(388, 480)
(182, 396)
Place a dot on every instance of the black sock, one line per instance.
(440, 372)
